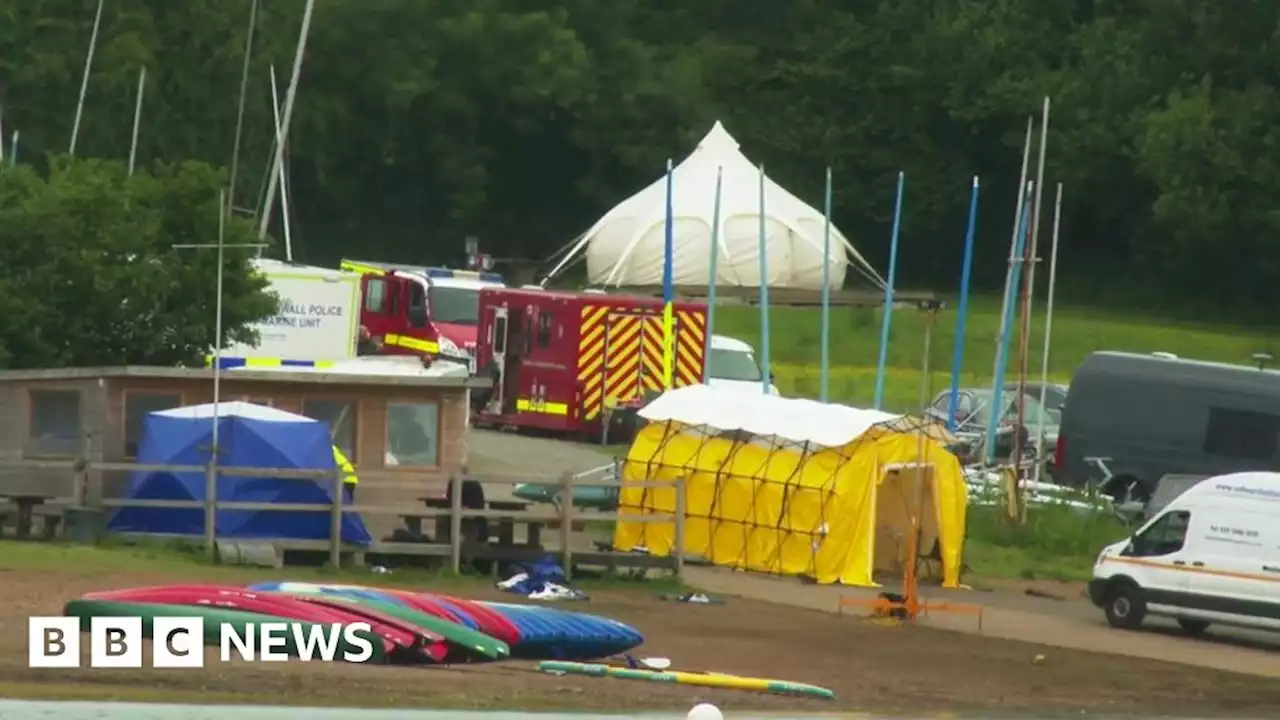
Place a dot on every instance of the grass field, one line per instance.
(795, 345)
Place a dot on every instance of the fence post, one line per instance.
(566, 524)
(678, 553)
(335, 519)
(211, 507)
(80, 479)
(455, 522)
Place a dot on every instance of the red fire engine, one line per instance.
(412, 310)
(563, 361)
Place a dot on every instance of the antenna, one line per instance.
(217, 352)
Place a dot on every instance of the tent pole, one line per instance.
(823, 381)
(957, 357)
(766, 374)
(887, 317)
(668, 292)
(711, 282)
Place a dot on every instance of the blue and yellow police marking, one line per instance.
(227, 363)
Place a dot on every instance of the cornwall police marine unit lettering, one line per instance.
(303, 316)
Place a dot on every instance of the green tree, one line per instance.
(89, 275)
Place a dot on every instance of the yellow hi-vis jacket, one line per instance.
(345, 465)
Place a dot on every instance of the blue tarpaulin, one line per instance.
(250, 436)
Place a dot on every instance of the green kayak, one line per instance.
(214, 618)
(593, 497)
(471, 642)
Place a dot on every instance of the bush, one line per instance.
(1050, 530)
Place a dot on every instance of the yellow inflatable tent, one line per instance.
(792, 486)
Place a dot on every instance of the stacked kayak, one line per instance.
(551, 633)
(406, 635)
(215, 617)
(531, 631)
(405, 627)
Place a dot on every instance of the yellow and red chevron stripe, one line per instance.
(691, 339)
(623, 363)
(591, 336)
(652, 375)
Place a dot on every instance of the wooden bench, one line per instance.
(24, 509)
(52, 519)
(477, 529)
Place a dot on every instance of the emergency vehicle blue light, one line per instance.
(440, 272)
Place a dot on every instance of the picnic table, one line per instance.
(478, 529)
(25, 507)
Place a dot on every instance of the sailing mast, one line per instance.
(1024, 329)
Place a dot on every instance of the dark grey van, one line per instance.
(1155, 415)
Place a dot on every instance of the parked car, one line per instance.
(732, 364)
(973, 417)
(1158, 415)
(1055, 396)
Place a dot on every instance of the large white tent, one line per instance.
(626, 247)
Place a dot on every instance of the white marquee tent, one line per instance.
(626, 247)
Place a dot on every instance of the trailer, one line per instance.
(316, 324)
(570, 362)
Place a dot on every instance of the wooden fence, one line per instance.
(81, 471)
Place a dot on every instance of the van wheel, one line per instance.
(1125, 607)
(1193, 627)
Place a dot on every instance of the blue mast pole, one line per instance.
(711, 282)
(1002, 352)
(957, 358)
(888, 292)
(668, 316)
(766, 373)
(826, 291)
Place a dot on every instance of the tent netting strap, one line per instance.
(790, 502)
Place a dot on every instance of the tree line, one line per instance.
(520, 121)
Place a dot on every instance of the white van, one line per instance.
(732, 364)
(1210, 556)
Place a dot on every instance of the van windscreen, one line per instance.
(455, 305)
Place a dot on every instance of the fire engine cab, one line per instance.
(564, 362)
(415, 310)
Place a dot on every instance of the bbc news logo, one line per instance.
(179, 642)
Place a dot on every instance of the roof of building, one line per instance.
(289, 375)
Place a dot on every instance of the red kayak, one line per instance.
(394, 633)
(489, 621)
(425, 605)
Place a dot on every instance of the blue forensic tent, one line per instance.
(251, 436)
